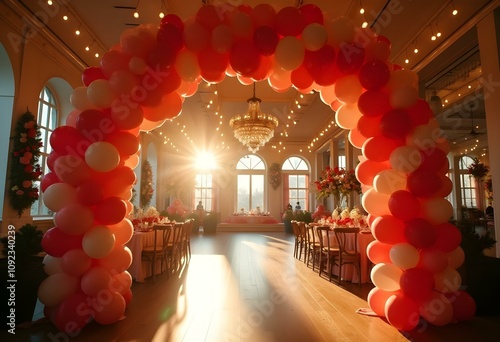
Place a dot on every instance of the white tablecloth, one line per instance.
(141, 269)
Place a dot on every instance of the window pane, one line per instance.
(257, 191)
(292, 180)
(243, 200)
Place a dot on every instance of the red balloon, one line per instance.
(318, 61)
(212, 62)
(395, 124)
(374, 75)
(126, 143)
(208, 16)
(404, 205)
(420, 233)
(448, 237)
(111, 210)
(68, 140)
(174, 20)
(434, 160)
(380, 148)
(264, 69)
(368, 169)
(112, 61)
(128, 297)
(91, 74)
(94, 124)
(420, 113)
(433, 260)
(422, 183)
(162, 56)
(244, 58)
(350, 57)
(377, 299)
(51, 158)
(196, 37)
(369, 126)
(311, 14)
(402, 312)
(446, 187)
(381, 38)
(114, 182)
(263, 15)
(170, 81)
(73, 313)
(89, 193)
(464, 306)
(389, 230)
(289, 21)
(301, 78)
(126, 115)
(374, 103)
(56, 242)
(417, 284)
(247, 9)
(48, 179)
(265, 39)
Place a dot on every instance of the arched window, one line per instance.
(296, 182)
(468, 184)
(47, 122)
(251, 173)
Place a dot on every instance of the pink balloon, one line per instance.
(417, 284)
(74, 219)
(389, 230)
(75, 262)
(402, 312)
(56, 242)
(355, 138)
(111, 310)
(118, 260)
(122, 231)
(369, 126)
(95, 280)
(49, 179)
(72, 117)
(73, 314)
(72, 170)
(404, 205)
(368, 169)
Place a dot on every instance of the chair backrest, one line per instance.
(176, 234)
(162, 235)
(295, 228)
(324, 235)
(302, 230)
(348, 240)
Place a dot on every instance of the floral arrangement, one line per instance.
(347, 218)
(24, 168)
(488, 187)
(145, 217)
(275, 176)
(337, 182)
(477, 169)
(146, 184)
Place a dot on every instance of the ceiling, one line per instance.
(407, 24)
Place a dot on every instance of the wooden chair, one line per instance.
(312, 246)
(348, 255)
(295, 228)
(327, 249)
(174, 246)
(159, 249)
(186, 239)
(302, 240)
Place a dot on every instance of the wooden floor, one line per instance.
(248, 287)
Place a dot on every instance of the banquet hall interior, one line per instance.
(251, 278)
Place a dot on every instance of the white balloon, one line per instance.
(389, 181)
(347, 116)
(52, 265)
(56, 288)
(98, 242)
(100, 94)
(314, 36)
(102, 156)
(404, 256)
(386, 277)
(58, 195)
(80, 100)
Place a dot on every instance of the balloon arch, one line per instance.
(142, 81)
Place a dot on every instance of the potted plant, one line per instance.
(210, 222)
(298, 215)
(28, 272)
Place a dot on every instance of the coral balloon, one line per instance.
(126, 143)
(90, 74)
(388, 230)
(402, 312)
(122, 231)
(89, 193)
(314, 36)
(368, 169)
(379, 149)
(348, 89)
(437, 210)
(378, 252)
(369, 126)
(222, 39)
(377, 299)
(75, 262)
(118, 260)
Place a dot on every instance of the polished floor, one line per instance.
(248, 287)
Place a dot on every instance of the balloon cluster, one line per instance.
(143, 80)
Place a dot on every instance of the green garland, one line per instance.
(24, 168)
(146, 184)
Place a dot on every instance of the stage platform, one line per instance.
(248, 227)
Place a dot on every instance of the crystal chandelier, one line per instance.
(254, 128)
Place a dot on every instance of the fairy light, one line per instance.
(65, 17)
(49, 2)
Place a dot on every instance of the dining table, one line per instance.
(139, 269)
(349, 272)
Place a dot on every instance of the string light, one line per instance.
(454, 12)
(77, 32)
(49, 2)
(136, 13)
(65, 17)
(161, 14)
(433, 36)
